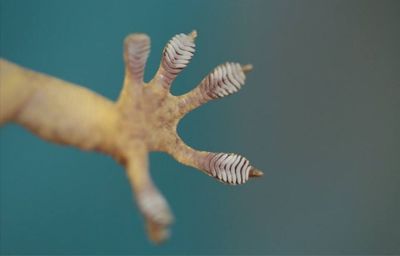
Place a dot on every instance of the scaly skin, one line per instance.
(143, 119)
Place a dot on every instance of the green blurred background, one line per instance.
(319, 114)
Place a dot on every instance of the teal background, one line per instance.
(319, 114)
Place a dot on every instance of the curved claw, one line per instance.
(193, 34)
(247, 68)
(255, 173)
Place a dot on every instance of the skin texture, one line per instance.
(143, 119)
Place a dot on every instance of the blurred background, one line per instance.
(319, 114)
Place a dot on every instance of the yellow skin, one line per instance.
(143, 119)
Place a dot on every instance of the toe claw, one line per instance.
(254, 172)
(247, 68)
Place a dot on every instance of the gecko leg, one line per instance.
(143, 119)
